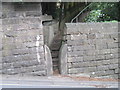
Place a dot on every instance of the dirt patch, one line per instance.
(81, 78)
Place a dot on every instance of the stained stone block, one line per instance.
(33, 13)
(63, 59)
(89, 58)
(37, 73)
(10, 21)
(113, 66)
(91, 36)
(75, 54)
(103, 68)
(100, 57)
(76, 70)
(75, 59)
(75, 43)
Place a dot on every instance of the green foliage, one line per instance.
(103, 11)
(93, 16)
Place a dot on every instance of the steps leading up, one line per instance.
(55, 47)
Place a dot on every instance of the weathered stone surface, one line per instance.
(63, 59)
(75, 59)
(48, 59)
(92, 48)
(21, 48)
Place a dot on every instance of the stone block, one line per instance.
(91, 36)
(90, 42)
(68, 37)
(78, 37)
(11, 71)
(34, 26)
(112, 45)
(29, 56)
(76, 43)
(104, 51)
(114, 61)
(69, 65)
(92, 64)
(90, 52)
(7, 40)
(89, 47)
(109, 72)
(80, 64)
(6, 53)
(30, 44)
(113, 66)
(84, 48)
(89, 58)
(1, 46)
(109, 56)
(70, 48)
(33, 13)
(91, 69)
(99, 73)
(37, 73)
(75, 70)
(10, 21)
(27, 63)
(106, 36)
(33, 68)
(102, 45)
(113, 51)
(106, 62)
(75, 54)
(9, 59)
(102, 67)
(75, 59)
(100, 57)
(117, 70)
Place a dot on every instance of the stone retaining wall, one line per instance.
(92, 49)
(23, 50)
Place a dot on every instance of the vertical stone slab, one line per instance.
(63, 59)
(48, 59)
(48, 35)
(51, 35)
(1, 43)
(1, 34)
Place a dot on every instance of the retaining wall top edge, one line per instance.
(92, 22)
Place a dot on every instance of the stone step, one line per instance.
(55, 48)
(55, 62)
(56, 42)
(55, 54)
(55, 59)
(56, 45)
(55, 68)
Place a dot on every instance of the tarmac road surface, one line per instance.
(52, 82)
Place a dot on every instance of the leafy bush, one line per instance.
(103, 11)
(93, 16)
